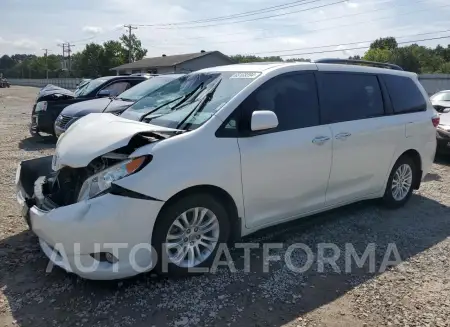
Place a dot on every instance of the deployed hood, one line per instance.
(53, 92)
(95, 135)
(133, 115)
(50, 89)
(83, 108)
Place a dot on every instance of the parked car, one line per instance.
(441, 100)
(250, 146)
(51, 100)
(443, 134)
(116, 105)
(4, 82)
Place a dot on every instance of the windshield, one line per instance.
(161, 108)
(90, 86)
(144, 88)
(443, 96)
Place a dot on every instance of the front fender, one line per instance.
(185, 161)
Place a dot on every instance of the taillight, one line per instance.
(435, 120)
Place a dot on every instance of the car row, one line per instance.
(51, 100)
(220, 153)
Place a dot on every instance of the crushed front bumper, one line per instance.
(68, 235)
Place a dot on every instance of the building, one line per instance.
(183, 63)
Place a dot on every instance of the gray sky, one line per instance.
(27, 26)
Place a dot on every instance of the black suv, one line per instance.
(51, 100)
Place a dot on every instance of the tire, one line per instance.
(164, 224)
(389, 199)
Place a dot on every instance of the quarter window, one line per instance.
(293, 98)
(346, 97)
(404, 93)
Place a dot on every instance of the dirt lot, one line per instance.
(413, 293)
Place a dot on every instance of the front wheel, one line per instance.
(187, 234)
(400, 183)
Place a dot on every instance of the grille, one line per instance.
(62, 121)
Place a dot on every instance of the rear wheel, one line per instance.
(188, 233)
(400, 183)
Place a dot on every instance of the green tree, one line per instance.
(252, 58)
(444, 69)
(133, 43)
(377, 54)
(6, 62)
(385, 43)
(90, 62)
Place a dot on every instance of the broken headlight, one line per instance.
(41, 106)
(101, 182)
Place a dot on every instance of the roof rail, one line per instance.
(358, 62)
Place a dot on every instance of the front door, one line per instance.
(285, 171)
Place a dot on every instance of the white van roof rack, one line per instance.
(358, 62)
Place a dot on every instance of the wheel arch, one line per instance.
(218, 193)
(414, 155)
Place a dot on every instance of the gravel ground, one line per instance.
(415, 292)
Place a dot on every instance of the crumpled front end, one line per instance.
(76, 234)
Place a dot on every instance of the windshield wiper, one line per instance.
(159, 107)
(208, 96)
(183, 99)
(125, 99)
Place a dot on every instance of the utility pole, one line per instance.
(69, 51)
(46, 63)
(130, 44)
(66, 49)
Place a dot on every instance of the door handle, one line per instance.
(342, 136)
(319, 140)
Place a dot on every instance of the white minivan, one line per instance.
(221, 153)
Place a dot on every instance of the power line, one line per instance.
(95, 36)
(328, 28)
(254, 19)
(314, 21)
(359, 48)
(341, 44)
(233, 16)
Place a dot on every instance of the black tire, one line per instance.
(168, 215)
(388, 199)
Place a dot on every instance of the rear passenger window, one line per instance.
(346, 97)
(404, 94)
(293, 98)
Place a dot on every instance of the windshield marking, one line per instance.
(245, 75)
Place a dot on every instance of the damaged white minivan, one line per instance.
(221, 153)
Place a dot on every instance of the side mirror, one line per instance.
(104, 93)
(446, 110)
(263, 120)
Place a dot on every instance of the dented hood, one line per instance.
(50, 89)
(97, 134)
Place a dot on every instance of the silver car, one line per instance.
(441, 101)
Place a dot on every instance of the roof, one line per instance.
(253, 66)
(166, 61)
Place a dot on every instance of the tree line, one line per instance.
(93, 61)
(97, 59)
